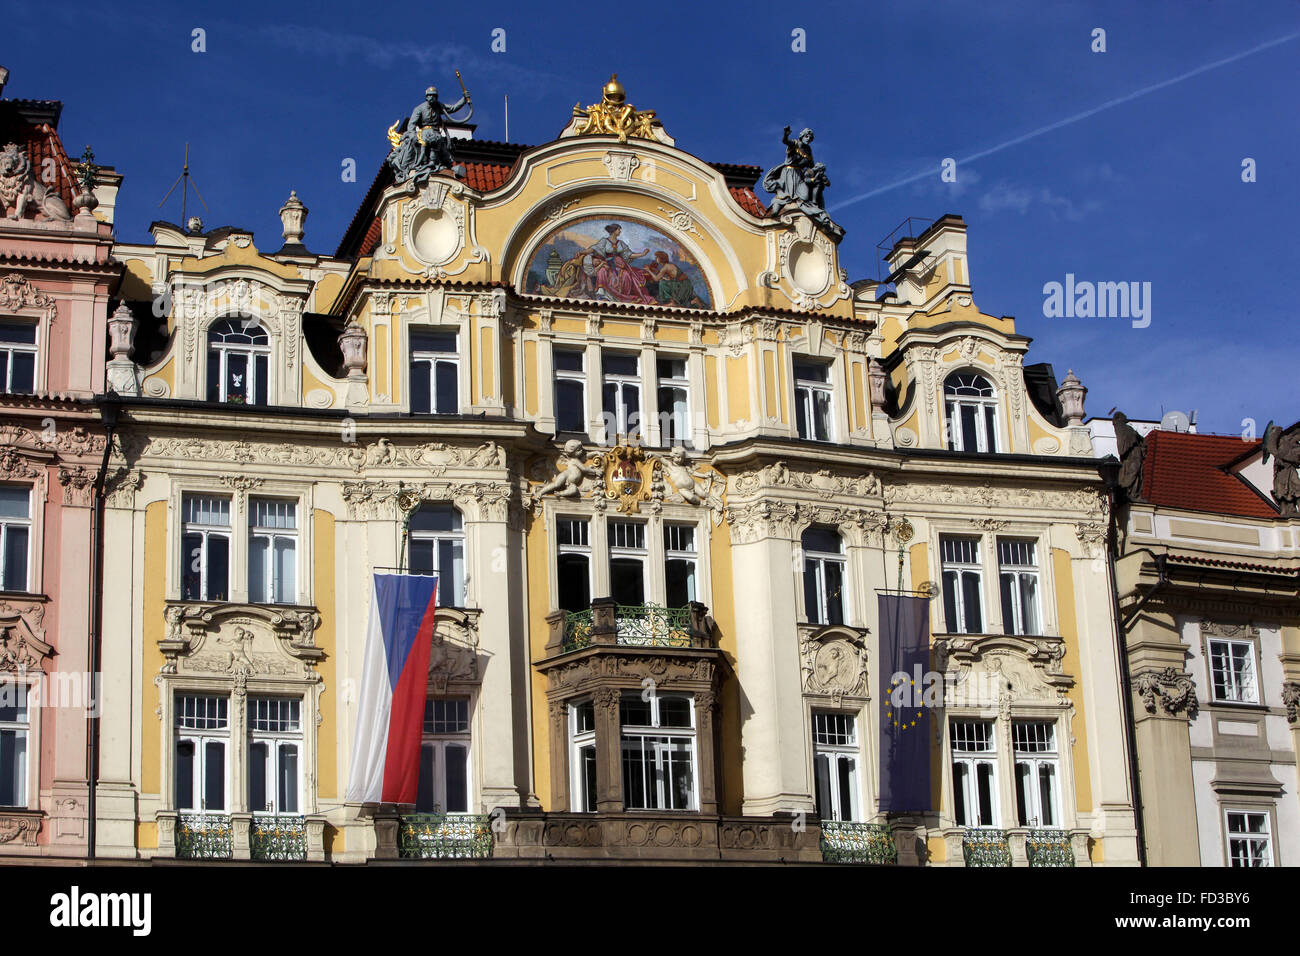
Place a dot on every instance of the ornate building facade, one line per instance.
(663, 455)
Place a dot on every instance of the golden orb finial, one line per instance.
(614, 92)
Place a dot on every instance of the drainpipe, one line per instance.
(108, 416)
(1110, 473)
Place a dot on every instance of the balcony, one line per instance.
(1049, 848)
(845, 842)
(241, 836)
(629, 625)
(444, 836)
(203, 836)
(986, 847)
(278, 839)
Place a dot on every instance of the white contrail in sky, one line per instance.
(1075, 118)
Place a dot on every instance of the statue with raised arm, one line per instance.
(568, 483)
(799, 183)
(1284, 446)
(421, 143)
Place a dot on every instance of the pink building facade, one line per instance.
(55, 280)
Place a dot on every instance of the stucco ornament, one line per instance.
(1173, 691)
(680, 480)
(798, 183)
(834, 663)
(421, 144)
(21, 192)
(574, 467)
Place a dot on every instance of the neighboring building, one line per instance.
(55, 280)
(1209, 584)
(663, 455)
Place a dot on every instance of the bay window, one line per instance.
(658, 748)
(15, 536)
(435, 367)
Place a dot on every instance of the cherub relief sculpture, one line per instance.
(681, 480)
(573, 469)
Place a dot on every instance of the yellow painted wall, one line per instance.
(738, 389)
(529, 373)
(539, 600)
(155, 578)
(724, 615)
(1071, 664)
(712, 405)
(485, 362)
(327, 734)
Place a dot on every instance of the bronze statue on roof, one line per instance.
(421, 143)
(1284, 446)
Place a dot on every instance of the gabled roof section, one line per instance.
(1190, 471)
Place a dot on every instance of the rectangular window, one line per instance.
(812, 400)
(14, 727)
(436, 545)
(1250, 842)
(835, 765)
(274, 755)
(582, 757)
(680, 565)
(658, 743)
(17, 358)
(435, 364)
(1018, 581)
(272, 551)
(974, 773)
(824, 569)
(674, 402)
(627, 562)
(1232, 672)
(1037, 763)
(573, 563)
(621, 394)
(205, 548)
(15, 536)
(962, 590)
(570, 390)
(202, 732)
(444, 757)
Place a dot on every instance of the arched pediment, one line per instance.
(248, 640)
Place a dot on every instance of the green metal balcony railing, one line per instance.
(203, 836)
(986, 847)
(278, 838)
(1049, 848)
(637, 625)
(844, 842)
(444, 836)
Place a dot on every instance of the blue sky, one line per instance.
(1148, 189)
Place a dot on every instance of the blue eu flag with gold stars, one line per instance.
(904, 720)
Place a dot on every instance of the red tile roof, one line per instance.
(748, 201)
(1185, 470)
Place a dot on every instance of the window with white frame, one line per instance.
(835, 765)
(570, 389)
(963, 603)
(972, 409)
(812, 400)
(1232, 672)
(824, 566)
(1037, 773)
(1018, 582)
(621, 394)
(573, 563)
(435, 367)
(436, 544)
(674, 401)
(680, 565)
(582, 756)
(275, 755)
(239, 355)
(444, 757)
(15, 536)
(1250, 842)
(974, 773)
(627, 561)
(658, 744)
(205, 548)
(18, 357)
(202, 736)
(14, 728)
(272, 551)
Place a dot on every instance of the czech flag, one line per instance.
(394, 684)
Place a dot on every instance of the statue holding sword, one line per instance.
(421, 144)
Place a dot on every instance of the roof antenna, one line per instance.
(507, 117)
(189, 181)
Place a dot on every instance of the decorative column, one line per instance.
(609, 750)
(706, 709)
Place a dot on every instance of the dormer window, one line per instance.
(972, 409)
(17, 358)
(239, 355)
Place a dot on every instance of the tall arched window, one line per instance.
(239, 355)
(972, 409)
(437, 545)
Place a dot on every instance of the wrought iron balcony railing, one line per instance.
(203, 836)
(1049, 848)
(278, 838)
(444, 836)
(986, 847)
(845, 842)
(637, 625)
